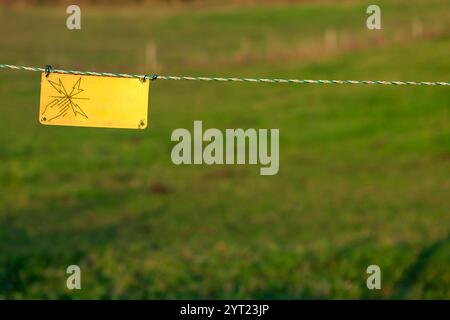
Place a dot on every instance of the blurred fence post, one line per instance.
(151, 58)
(331, 39)
(416, 28)
(244, 51)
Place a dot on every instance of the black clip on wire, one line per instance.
(152, 77)
(48, 69)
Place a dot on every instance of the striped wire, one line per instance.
(233, 79)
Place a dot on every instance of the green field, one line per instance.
(364, 170)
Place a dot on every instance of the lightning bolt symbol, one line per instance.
(76, 88)
(65, 101)
(58, 86)
(76, 109)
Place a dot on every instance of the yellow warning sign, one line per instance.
(93, 101)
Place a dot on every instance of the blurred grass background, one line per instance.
(364, 170)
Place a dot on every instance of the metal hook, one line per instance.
(152, 77)
(48, 69)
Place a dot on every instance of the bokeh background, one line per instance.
(364, 170)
